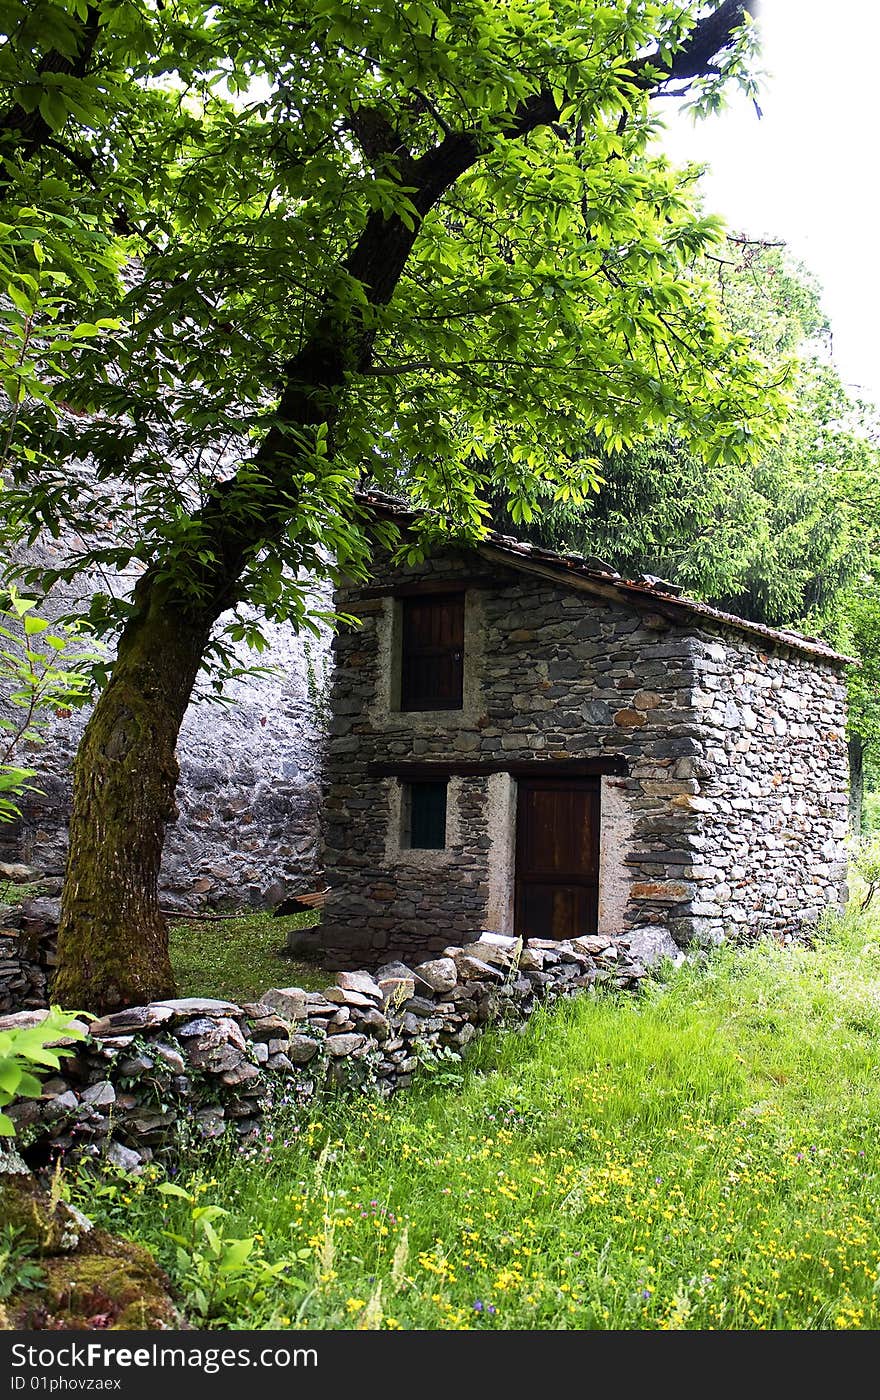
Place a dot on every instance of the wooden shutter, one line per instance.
(432, 665)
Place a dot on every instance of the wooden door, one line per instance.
(557, 857)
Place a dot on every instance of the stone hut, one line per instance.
(523, 741)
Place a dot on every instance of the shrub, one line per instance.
(25, 1049)
(865, 854)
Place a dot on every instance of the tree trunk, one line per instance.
(113, 941)
(856, 752)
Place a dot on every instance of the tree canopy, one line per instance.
(777, 539)
(457, 202)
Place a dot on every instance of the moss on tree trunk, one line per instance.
(113, 941)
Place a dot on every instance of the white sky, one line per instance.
(808, 171)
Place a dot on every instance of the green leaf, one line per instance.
(10, 1076)
(20, 299)
(235, 1252)
(53, 108)
(168, 1188)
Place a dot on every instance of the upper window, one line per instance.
(432, 664)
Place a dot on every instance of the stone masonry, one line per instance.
(771, 799)
(719, 747)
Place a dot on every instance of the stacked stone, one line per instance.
(771, 780)
(246, 832)
(27, 942)
(22, 975)
(147, 1076)
(142, 1073)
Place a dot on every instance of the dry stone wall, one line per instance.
(25, 969)
(148, 1077)
(28, 938)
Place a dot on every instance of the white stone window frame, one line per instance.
(387, 709)
(397, 852)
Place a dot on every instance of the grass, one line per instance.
(706, 1157)
(13, 893)
(237, 959)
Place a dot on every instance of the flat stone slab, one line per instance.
(393, 970)
(474, 969)
(22, 1020)
(207, 1032)
(199, 1025)
(338, 1045)
(42, 910)
(420, 1006)
(397, 989)
(135, 1018)
(11, 870)
(651, 944)
(100, 1095)
(374, 1023)
(494, 948)
(269, 1027)
(289, 1002)
(170, 1057)
(344, 996)
(200, 1006)
(361, 982)
(302, 1048)
(62, 1103)
(504, 941)
(256, 1010)
(591, 943)
(531, 960)
(244, 1073)
(25, 1020)
(124, 1157)
(221, 1059)
(439, 973)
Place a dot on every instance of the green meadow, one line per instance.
(703, 1157)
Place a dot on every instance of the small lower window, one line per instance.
(424, 816)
